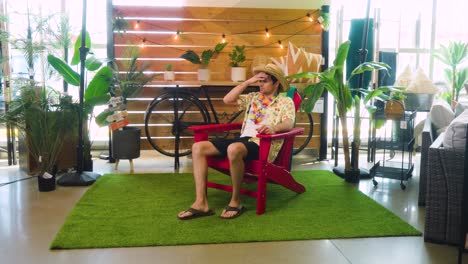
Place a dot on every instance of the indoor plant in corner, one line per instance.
(42, 116)
(332, 79)
(237, 57)
(203, 60)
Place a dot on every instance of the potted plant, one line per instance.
(453, 55)
(237, 57)
(42, 117)
(203, 60)
(332, 79)
(169, 74)
(126, 84)
(395, 106)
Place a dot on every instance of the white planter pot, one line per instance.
(169, 76)
(203, 75)
(238, 74)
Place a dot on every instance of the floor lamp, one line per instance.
(80, 177)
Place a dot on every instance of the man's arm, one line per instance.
(233, 95)
(285, 125)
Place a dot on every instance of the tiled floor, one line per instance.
(29, 221)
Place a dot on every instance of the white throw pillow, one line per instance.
(455, 134)
(441, 114)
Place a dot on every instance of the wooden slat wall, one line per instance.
(202, 28)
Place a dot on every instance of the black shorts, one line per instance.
(222, 144)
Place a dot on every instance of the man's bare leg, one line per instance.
(200, 150)
(236, 153)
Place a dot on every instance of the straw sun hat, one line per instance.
(276, 71)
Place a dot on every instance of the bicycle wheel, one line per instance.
(166, 128)
(308, 136)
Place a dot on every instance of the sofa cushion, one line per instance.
(455, 134)
(441, 115)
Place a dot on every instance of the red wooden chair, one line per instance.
(260, 170)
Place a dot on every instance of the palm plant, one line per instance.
(42, 116)
(333, 81)
(453, 55)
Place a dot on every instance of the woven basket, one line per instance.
(394, 110)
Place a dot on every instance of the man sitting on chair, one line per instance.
(266, 112)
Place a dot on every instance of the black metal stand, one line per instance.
(80, 177)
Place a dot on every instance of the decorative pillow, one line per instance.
(420, 83)
(298, 60)
(460, 108)
(441, 114)
(455, 135)
(405, 77)
(280, 62)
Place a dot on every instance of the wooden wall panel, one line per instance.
(202, 28)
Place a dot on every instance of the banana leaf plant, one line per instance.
(95, 93)
(453, 55)
(332, 80)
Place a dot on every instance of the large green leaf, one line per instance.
(342, 54)
(92, 63)
(68, 74)
(369, 66)
(98, 86)
(76, 55)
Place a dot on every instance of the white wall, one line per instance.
(292, 4)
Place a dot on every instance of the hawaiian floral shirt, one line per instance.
(279, 109)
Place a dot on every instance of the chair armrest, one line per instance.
(291, 133)
(215, 127)
(200, 133)
(439, 140)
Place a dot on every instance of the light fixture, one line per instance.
(310, 17)
(280, 44)
(224, 38)
(176, 36)
(267, 33)
(137, 24)
(143, 43)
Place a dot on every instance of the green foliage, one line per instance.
(169, 67)
(237, 56)
(332, 80)
(43, 117)
(206, 55)
(453, 55)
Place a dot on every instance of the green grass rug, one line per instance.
(140, 210)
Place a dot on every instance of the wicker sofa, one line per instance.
(428, 136)
(444, 184)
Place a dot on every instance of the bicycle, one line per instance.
(186, 110)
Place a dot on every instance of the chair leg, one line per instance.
(131, 165)
(116, 166)
(261, 194)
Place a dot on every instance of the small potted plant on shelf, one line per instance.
(237, 57)
(395, 107)
(169, 73)
(203, 60)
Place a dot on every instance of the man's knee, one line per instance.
(198, 148)
(236, 151)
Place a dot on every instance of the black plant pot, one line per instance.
(126, 143)
(46, 185)
(352, 176)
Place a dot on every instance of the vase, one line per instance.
(238, 74)
(46, 182)
(204, 75)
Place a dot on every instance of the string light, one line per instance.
(310, 17)
(137, 24)
(176, 36)
(224, 38)
(280, 44)
(143, 43)
(267, 33)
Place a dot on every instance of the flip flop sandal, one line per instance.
(240, 210)
(195, 214)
